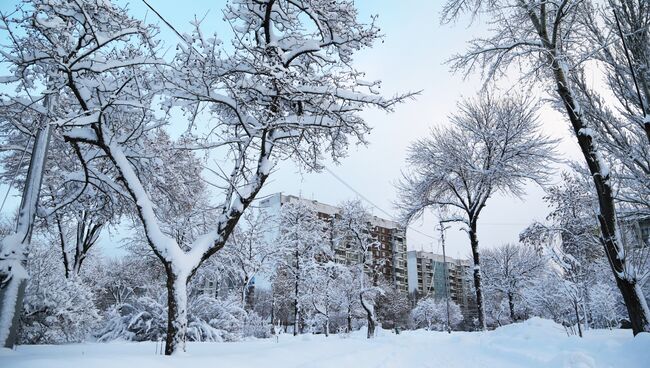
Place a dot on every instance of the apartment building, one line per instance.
(636, 232)
(431, 275)
(391, 238)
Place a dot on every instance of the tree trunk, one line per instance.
(583, 302)
(248, 294)
(327, 326)
(511, 305)
(575, 309)
(87, 234)
(64, 250)
(477, 276)
(370, 317)
(633, 297)
(176, 312)
(296, 303)
(349, 326)
(13, 247)
(273, 314)
(296, 311)
(250, 298)
(371, 325)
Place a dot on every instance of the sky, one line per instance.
(411, 58)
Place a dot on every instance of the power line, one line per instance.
(356, 192)
(369, 201)
(390, 216)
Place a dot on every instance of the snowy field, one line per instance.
(535, 343)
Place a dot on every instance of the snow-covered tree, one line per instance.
(56, 309)
(578, 269)
(352, 230)
(348, 281)
(119, 281)
(509, 270)
(325, 293)
(393, 308)
(546, 41)
(287, 89)
(282, 303)
(492, 145)
(604, 306)
(618, 30)
(432, 314)
(302, 244)
(578, 250)
(63, 58)
(579, 247)
(250, 253)
(548, 298)
(618, 109)
(76, 241)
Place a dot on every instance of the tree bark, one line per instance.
(349, 326)
(248, 295)
(370, 317)
(511, 305)
(250, 298)
(327, 326)
(477, 276)
(633, 297)
(575, 309)
(296, 311)
(87, 234)
(273, 315)
(176, 311)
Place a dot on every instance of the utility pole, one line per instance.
(14, 247)
(445, 271)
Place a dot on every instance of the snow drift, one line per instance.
(531, 344)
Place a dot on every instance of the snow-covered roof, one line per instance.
(324, 208)
(438, 257)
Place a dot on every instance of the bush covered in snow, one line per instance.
(143, 319)
(60, 312)
(55, 310)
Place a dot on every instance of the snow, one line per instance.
(587, 131)
(307, 46)
(534, 343)
(166, 245)
(604, 166)
(643, 302)
(265, 167)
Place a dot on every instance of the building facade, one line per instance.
(431, 275)
(636, 232)
(390, 236)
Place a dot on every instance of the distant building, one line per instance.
(214, 288)
(391, 236)
(636, 232)
(431, 276)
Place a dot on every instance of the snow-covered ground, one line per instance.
(535, 343)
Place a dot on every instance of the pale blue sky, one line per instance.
(411, 58)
